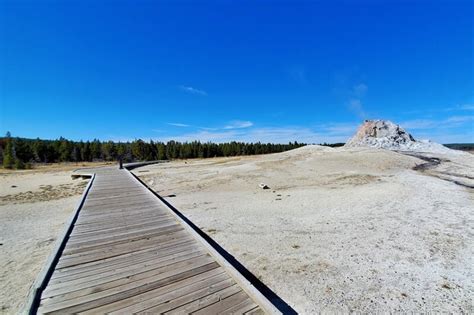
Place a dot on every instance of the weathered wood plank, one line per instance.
(199, 301)
(125, 277)
(129, 256)
(80, 233)
(174, 299)
(87, 245)
(80, 258)
(103, 269)
(246, 306)
(223, 305)
(125, 271)
(95, 299)
(155, 293)
(122, 230)
(121, 221)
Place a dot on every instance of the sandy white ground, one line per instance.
(340, 229)
(32, 215)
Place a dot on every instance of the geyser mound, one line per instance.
(384, 134)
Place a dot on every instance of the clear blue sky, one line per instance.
(235, 70)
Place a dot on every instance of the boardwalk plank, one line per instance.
(117, 250)
(223, 305)
(177, 298)
(129, 257)
(245, 306)
(201, 301)
(126, 270)
(102, 266)
(126, 277)
(120, 228)
(118, 223)
(155, 292)
(104, 297)
(124, 238)
(121, 232)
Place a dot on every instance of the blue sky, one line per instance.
(276, 71)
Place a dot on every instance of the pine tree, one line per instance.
(160, 151)
(40, 151)
(96, 150)
(64, 150)
(86, 152)
(9, 154)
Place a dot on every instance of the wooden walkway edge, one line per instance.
(126, 250)
(33, 298)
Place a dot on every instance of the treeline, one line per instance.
(460, 146)
(23, 153)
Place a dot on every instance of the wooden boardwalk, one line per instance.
(128, 253)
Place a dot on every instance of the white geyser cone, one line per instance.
(384, 134)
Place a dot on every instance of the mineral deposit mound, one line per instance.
(385, 134)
